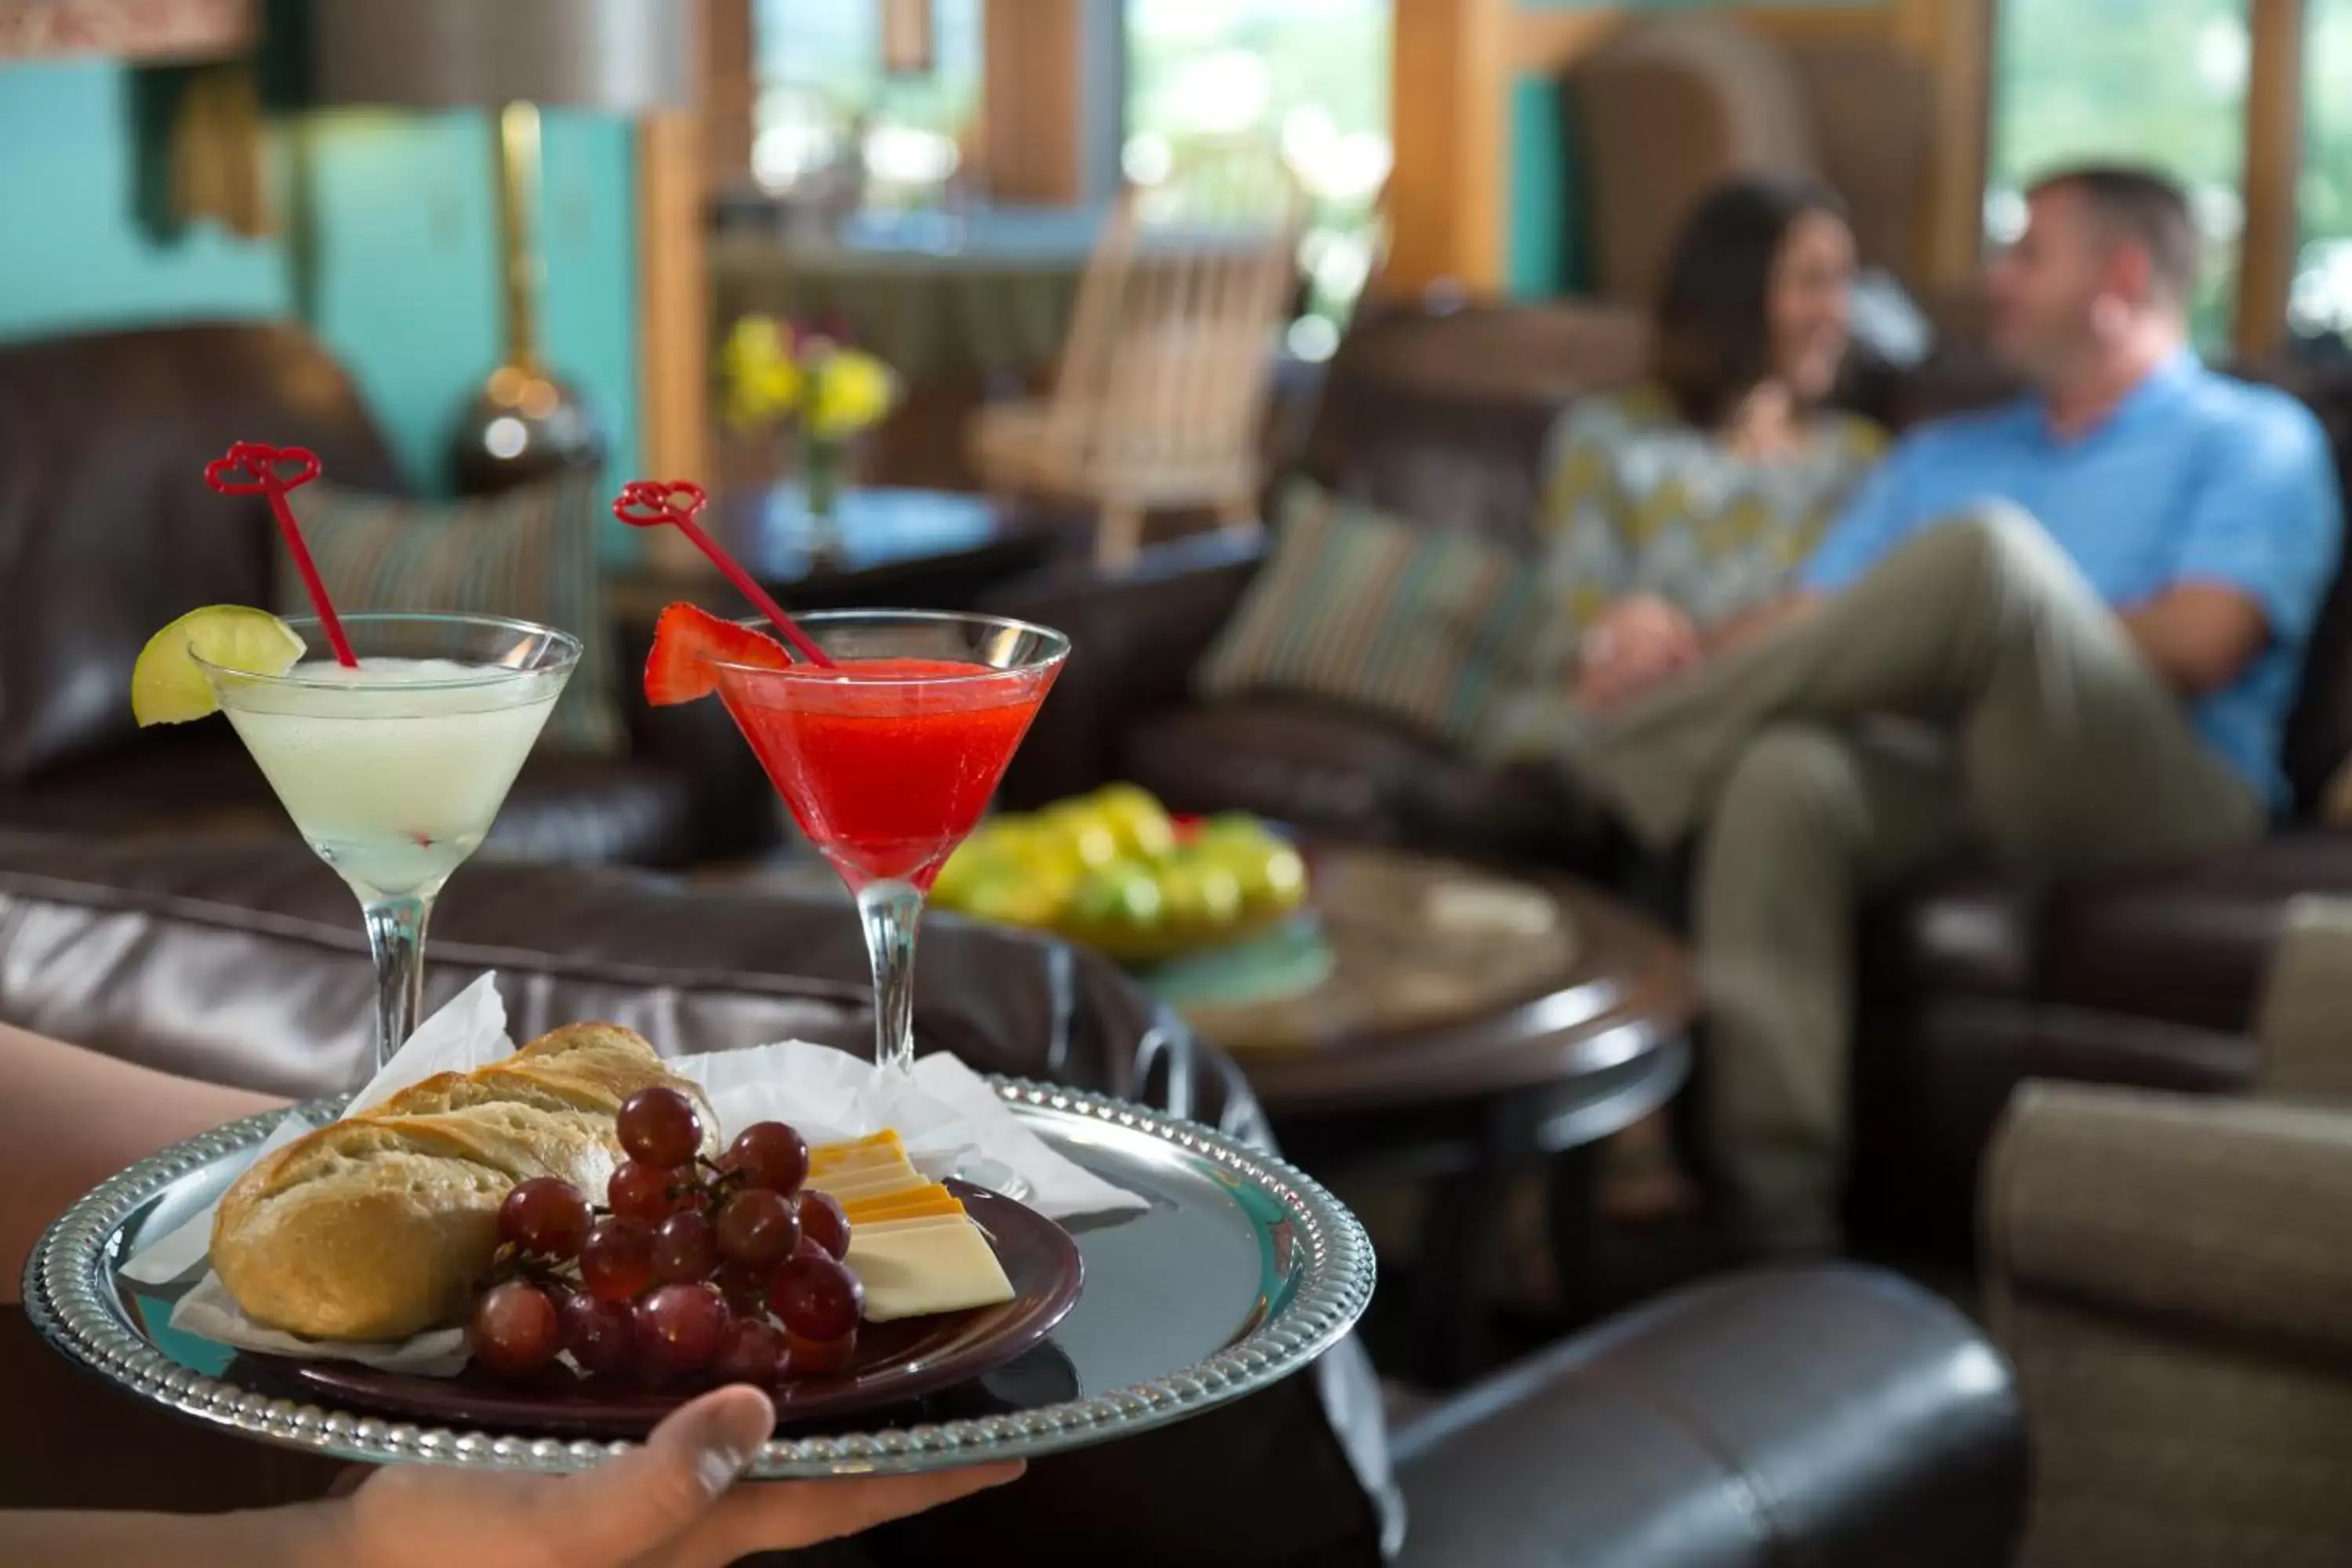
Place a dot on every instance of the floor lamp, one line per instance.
(511, 57)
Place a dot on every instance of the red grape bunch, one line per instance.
(692, 1269)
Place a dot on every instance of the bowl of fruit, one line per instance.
(1115, 871)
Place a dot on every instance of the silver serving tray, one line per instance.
(1242, 1272)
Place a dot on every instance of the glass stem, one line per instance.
(890, 912)
(395, 929)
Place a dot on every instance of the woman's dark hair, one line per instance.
(1713, 319)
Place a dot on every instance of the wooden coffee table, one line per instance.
(1474, 1027)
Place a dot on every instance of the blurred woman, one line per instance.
(1673, 508)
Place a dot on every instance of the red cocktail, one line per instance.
(887, 756)
(885, 762)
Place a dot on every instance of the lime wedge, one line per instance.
(166, 685)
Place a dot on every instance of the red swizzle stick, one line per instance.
(256, 469)
(649, 503)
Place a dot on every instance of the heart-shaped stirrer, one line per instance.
(650, 504)
(256, 469)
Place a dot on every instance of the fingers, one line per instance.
(782, 1515)
(655, 1494)
(1632, 673)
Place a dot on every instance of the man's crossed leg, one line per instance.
(1972, 687)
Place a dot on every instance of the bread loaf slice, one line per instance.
(380, 1226)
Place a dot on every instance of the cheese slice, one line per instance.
(918, 1222)
(869, 1184)
(877, 1159)
(928, 1199)
(883, 1146)
(914, 1270)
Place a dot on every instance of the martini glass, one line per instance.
(393, 769)
(887, 757)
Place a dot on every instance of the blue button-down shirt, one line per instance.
(2195, 478)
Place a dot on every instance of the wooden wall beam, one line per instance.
(1819, 24)
(2272, 238)
(1031, 102)
(1547, 42)
(673, 299)
(730, 95)
(1450, 94)
(676, 170)
(1956, 38)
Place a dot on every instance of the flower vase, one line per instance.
(822, 462)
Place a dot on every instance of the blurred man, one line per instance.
(2067, 629)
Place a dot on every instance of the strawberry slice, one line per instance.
(687, 639)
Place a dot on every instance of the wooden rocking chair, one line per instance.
(1160, 396)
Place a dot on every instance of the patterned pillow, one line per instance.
(530, 554)
(1423, 626)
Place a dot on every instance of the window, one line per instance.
(1311, 78)
(2161, 82)
(2319, 305)
(823, 97)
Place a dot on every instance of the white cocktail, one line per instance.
(393, 769)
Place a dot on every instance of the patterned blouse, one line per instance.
(1636, 502)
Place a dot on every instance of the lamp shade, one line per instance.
(624, 56)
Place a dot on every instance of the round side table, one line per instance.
(1473, 1028)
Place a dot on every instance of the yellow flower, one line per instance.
(759, 380)
(763, 396)
(852, 391)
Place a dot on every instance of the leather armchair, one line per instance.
(1674, 105)
(2171, 1275)
(1651, 1442)
(1835, 1415)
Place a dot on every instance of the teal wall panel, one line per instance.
(1536, 256)
(71, 258)
(403, 282)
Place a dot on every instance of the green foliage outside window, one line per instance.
(2161, 82)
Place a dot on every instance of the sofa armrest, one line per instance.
(1135, 635)
(2227, 1215)
(2306, 995)
(1839, 1416)
(237, 960)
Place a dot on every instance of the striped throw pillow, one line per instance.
(1425, 626)
(529, 553)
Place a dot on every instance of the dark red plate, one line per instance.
(895, 1362)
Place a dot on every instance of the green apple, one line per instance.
(1081, 832)
(1139, 822)
(1201, 893)
(1122, 894)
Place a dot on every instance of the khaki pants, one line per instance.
(1971, 689)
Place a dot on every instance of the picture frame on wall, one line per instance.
(145, 30)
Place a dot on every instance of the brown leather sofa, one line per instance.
(1973, 982)
(107, 532)
(1834, 1416)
